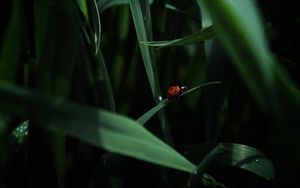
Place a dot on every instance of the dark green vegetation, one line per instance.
(83, 103)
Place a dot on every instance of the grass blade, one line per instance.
(176, 9)
(206, 22)
(95, 60)
(101, 128)
(102, 76)
(97, 25)
(239, 28)
(11, 46)
(142, 21)
(144, 118)
(204, 34)
(92, 25)
(239, 19)
(236, 155)
(105, 4)
(218, 68)
(143, 34)
(205, 162)
(58, 41)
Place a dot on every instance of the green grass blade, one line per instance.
(92, 25)
(102, 76)
(199, 36)
(97, 25)
(206, 21)
(149, 114)
(101, 128)
(58, 41)
(236, 155)
(143, 25)
(205, 162)
(97, 65)
(95, 60)
(105, 4)
(12, 43)
(239, 28)
(145, 117)
(176, 9)
(248, 158)
(82, 4)
(239, 20)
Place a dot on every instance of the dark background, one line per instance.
(224, 114)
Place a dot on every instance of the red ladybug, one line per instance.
(175, 91)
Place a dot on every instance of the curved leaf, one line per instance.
(239, 28)
(204, 34)
(236, 155)
(104, 4)
(144, 118)
(115, 133)
(205, 162)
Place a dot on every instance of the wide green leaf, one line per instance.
(238, 26)
(113, 132)
(240, 20)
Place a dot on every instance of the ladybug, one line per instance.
(175, 91)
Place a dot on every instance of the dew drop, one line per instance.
(160, 98)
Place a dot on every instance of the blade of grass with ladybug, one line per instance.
(145, 117)
(259, 163)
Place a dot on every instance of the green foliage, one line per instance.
(237, 155)
(145, 117)
(205, 34)
(76, 75)
(101, 128)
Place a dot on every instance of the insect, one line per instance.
(175, 91)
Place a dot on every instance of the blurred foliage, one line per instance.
(51, 48)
